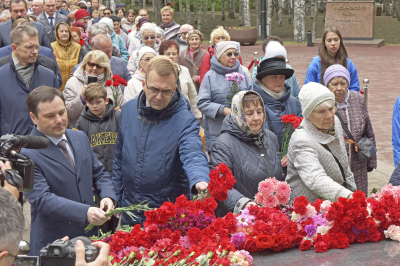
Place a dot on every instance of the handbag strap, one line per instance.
(339, 164)
(263, 153)
(350, 138)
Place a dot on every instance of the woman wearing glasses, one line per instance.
(194, 57)
(278, 101)
(352, 109)
(215, 95)
(148, 39)
(95, 64)
(135, 85)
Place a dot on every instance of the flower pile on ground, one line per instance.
(272, 192)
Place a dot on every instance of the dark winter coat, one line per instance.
(102, 132)
(238, 151)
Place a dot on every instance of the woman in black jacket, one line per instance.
(248, 149)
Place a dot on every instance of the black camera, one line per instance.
(62, 252)
(23, 169)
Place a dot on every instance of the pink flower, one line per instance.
(283, 188)
(310, 211)
(325, 206)
(259, 198)
(246, 255)
(270, 201)
(283, 199)
(267, 187)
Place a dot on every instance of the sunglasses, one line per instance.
(90, 64)
(107, 14)
(151, 37)
(230, 54)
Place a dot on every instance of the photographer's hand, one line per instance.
(102, 259)
(10, 188)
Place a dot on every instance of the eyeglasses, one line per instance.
(231, 54)
(146, 59)
(90, 64)
(149, 37)
(32, 47)
(164, 93)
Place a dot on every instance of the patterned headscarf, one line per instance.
(237, 113)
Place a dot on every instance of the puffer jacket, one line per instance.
(72, 93)
(158, 155)
(238, 151)
(275, 108)
(102, 132)
(213, 97)
(312, 170)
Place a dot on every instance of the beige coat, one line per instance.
(72, 93)
(188, 89)
(134, 86)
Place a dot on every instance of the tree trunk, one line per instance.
(181, 10)
(223, 10)
(112, 4)
(299, 21)
(144, 4)
(308, 7)
(394, 11)
(199, 15)
(246, 12)
(315, 15)
(157, 9)
(279, 13)
(292, 10)
(196, 11)
(205, 15)
(269, 16)
(258, 14)
(188, 14)
(231, 4)
(241, 15)
(212, 9)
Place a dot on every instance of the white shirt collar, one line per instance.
(53, 139)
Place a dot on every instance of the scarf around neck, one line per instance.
(330, 131)
(100, 77)
(275, 95)
(167, 26)
(24, 72)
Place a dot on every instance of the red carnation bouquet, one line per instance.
(115, 82)
(221, 180)
(290, 121)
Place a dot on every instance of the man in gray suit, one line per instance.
(18, 10)
(50, 18)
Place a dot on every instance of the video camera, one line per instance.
(23, 169)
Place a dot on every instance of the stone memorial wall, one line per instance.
(354, 19)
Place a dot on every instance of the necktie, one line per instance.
(63, 146)
(51, 21)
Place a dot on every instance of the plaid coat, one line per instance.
(355, 115)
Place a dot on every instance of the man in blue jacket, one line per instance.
(21, 75)
(65, 173)
(159, 155)
(19, 10)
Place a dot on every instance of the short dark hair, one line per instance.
(270, 38)
(93, 9)
(17, 2)
(40, 95)
(82, 6)
(107, 8)
(167, 44)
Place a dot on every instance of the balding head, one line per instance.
(103, 43)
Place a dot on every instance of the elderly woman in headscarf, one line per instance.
(148, 39)
(243, 133)
(278, 101)
(181, 38)
(194, 57)
(66, 51)
(352, 109)
(318, 164)
(215, 95)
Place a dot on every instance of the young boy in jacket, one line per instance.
(100, 121)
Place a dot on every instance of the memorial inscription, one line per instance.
(354, 19)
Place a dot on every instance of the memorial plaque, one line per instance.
(354, 19)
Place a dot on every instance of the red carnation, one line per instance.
(194, 235)
(108, 83)
(305, 245)
(321, 247)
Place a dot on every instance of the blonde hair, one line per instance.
(167, 9)
(102, 59)
(163, 66)
(71, 2)
(219, 31)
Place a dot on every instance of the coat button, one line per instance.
(79, 180)
(83, 201)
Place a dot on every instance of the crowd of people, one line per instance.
(143, 140)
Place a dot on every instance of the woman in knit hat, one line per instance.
(181, 38)
(270, 84)
(215, 95)
(135, 85)
(117, 41)
(332, 51)
(194, 57)
(351, 107)
(243, 133)
(318, 165)
(273, 47)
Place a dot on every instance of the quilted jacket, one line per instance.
(238, 151)
(312, 170)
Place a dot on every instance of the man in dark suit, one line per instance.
(62, 197)
(50, 18)
(19, 10)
